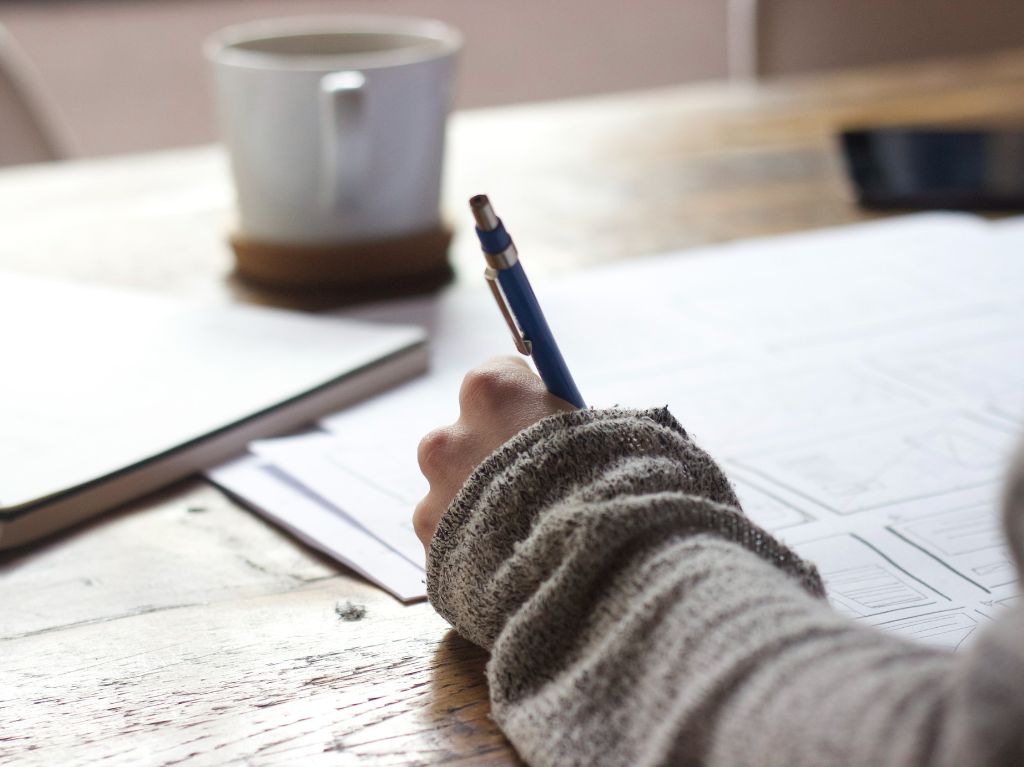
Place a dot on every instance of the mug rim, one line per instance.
(221, 47)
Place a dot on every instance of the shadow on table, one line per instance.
(459, 704)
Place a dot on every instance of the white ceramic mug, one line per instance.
(335, 126)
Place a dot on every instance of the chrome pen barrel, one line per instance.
(483, 213)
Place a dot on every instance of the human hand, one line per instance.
(497, 400)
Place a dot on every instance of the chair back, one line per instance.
(30, 127)
(776, 37)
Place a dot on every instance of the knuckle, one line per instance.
(434, 451)
(486, 387)
(422, 521)
(425, 519)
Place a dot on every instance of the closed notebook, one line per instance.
(106, 394)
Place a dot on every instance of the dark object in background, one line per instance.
(935, 168)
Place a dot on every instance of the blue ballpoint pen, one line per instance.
(518, 304)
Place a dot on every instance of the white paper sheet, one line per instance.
(373, 484)
(863, 388)
(320, 525)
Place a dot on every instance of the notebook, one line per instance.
(106, 394)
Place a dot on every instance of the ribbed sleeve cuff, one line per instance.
(484, 560)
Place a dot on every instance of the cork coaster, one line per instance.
(402, 265)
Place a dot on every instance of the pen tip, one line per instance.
(486, 220)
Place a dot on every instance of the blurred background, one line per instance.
(100, 77)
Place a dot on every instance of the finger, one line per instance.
(435, 451)
(498, 385)
(447, 456)
(508, 360)
(426, 517)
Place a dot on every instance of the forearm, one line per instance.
(532, 507)
(635, 617)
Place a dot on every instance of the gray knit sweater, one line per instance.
(635, 617)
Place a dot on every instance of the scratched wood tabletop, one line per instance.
(184, 630)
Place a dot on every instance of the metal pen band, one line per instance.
(499, 250)
(503, 260)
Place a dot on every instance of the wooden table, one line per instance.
(185, 630)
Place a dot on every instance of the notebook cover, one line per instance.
(107, 394)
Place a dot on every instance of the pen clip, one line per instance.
(522, 345)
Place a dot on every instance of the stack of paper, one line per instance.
(349, 490)
(863, 387)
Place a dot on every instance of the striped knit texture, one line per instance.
(636, 617)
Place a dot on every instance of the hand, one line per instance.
(497, 401)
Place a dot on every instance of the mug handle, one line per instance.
(344, 141)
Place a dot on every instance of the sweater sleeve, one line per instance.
(636, 617)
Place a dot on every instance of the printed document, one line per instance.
(863, 387)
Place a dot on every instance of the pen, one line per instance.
(518, 304)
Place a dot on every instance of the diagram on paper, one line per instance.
(969, 541)
(918, 459)
(949, 628)
(732, 409)
(862, 582)
(773, 511)
(974, 369)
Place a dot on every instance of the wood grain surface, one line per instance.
(185, 630)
